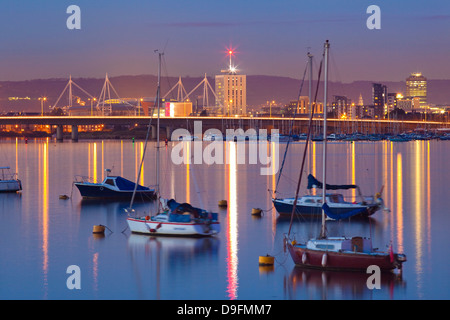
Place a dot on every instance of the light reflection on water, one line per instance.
(42, 235)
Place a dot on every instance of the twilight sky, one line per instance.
(271, 37)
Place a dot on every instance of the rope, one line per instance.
(306, 145)
(106, 228)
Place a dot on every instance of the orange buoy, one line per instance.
(256, 211)
(98, 229)
(223, 203)
(266, 260)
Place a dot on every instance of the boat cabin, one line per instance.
(337, 244)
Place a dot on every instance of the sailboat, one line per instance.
(172, 218)
(339, 253)
(112, 187)
(338, 207)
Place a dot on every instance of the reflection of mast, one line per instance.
(232, 259)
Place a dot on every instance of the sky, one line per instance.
(269, 37)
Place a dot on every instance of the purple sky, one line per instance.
(271, 38)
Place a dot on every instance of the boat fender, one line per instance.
(101, 188)
(152, 230)
(324, 259)
(304, 258)
(158, 226)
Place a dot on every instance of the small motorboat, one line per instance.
(9, 181)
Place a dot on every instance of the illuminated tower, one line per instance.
(416, 87)
(231, 90)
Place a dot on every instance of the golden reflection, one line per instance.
(95, 270)
(391, 190)
(274, 173)
(17, 156)
(418, 182)
(232, 245)
(353, 170)
(89, 160)
(94, 162)
(188, 163)
(399, 202)
(121, 158)
(428, 198)
(142, 168)
(45, 218)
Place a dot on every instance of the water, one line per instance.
(42, 235)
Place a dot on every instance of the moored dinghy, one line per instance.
(112, 187)
(9, 181)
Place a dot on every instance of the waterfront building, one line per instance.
(231, 91)
(379, 96)
(416, 87)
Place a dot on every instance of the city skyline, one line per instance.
(270, 38)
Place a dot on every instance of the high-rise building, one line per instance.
(416, 87)
(231, 91)
(379, 95)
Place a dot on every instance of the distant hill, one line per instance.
(259, 90)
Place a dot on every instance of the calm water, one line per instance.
(41, 235)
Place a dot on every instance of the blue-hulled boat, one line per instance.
(112, 187)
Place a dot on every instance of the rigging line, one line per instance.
(142, 159)
(164, 65)
(291, 125)
(306, 145)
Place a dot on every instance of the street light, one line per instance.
(93, 99)
(42, 104)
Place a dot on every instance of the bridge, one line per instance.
(222, 123)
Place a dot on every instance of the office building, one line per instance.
(416, 87)
(231, 91)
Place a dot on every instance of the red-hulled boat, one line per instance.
(341, 253)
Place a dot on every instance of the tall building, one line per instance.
(416, 87)
(379, 95)
(231, 91)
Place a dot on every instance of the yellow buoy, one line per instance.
(222, 203)
(98, 229)
(256, 211)
(266, 260)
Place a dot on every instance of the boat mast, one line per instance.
(327, 47)
(310, 58)
(158, 99)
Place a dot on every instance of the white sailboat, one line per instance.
(338, 253)
(172, 218)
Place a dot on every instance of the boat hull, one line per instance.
(348, 261)
(160, 228)
(284, 208)
(10, 186)
(91, 191)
